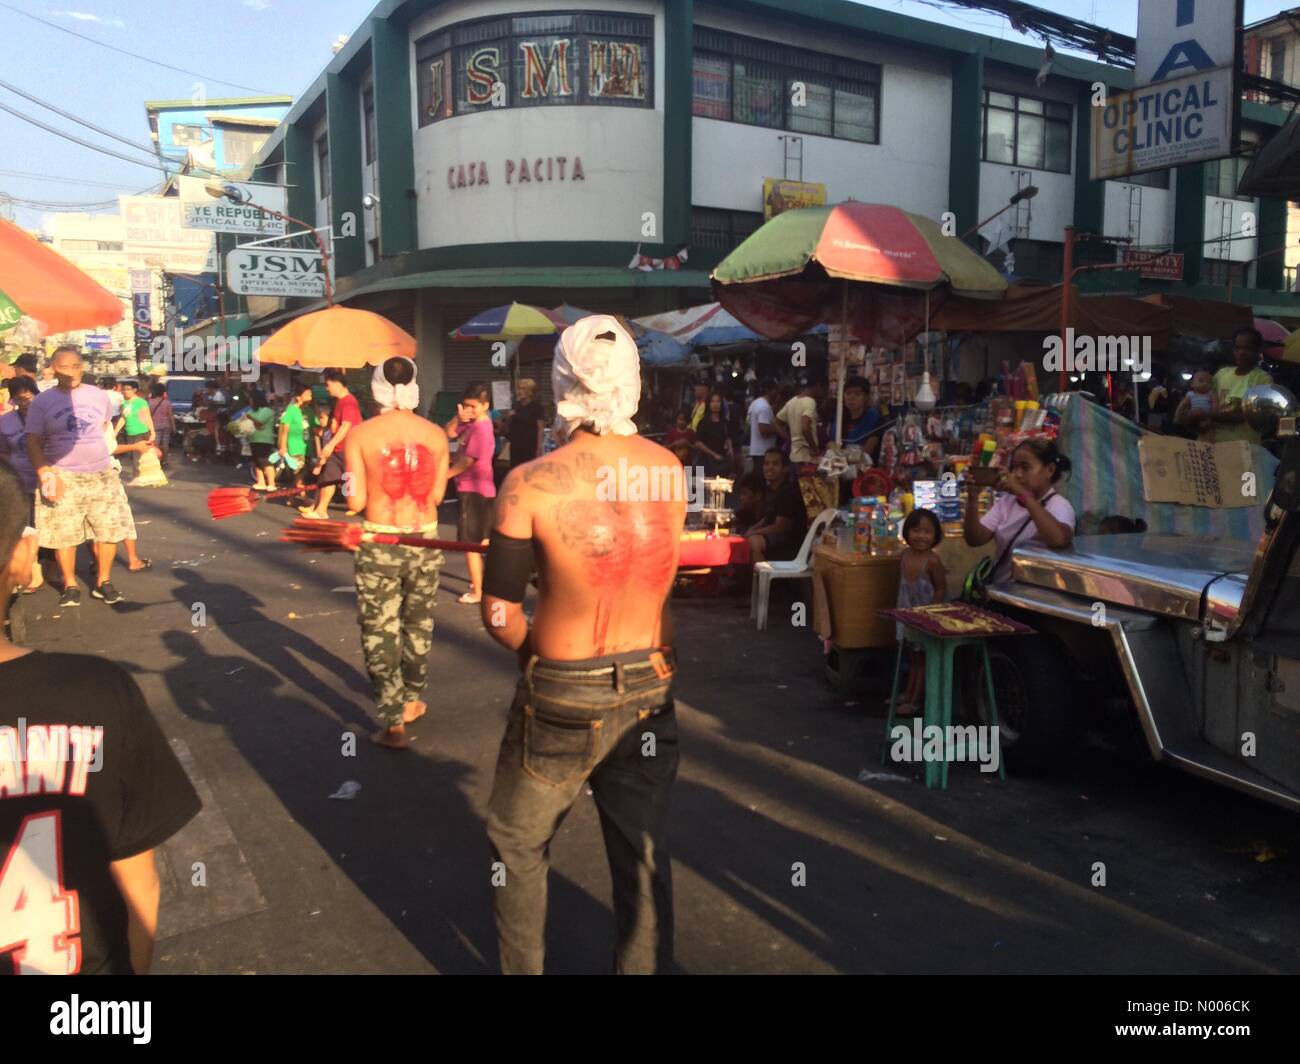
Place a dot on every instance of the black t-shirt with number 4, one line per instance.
(86, 778)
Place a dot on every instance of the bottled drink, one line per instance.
(862, 525)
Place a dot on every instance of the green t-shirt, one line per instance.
(264, 419)
(296, 441)
(135, 414)
(1230, 385)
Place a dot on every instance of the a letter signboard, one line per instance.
(275, 272)
(226, 216)
(1155, 265)
(1185, 105)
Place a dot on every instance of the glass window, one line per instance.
(618, 71)
(368, 113)
(999, 136)
(480, 68)
(1031, 141)
(721, 229)
(712, 93)
(810, 106)
(757, 94)
(1154, 179)
(856, 106)
(1058, 147)
(323, 168)
(1023, 131)
(435, 88)
(546, 70)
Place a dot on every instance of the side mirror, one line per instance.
(1271, 411)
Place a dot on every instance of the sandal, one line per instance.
(145, 563)
(470, 599)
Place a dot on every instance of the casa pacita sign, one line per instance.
(544, 169)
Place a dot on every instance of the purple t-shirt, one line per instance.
(13, 447)
(71, 425)
(477, 442)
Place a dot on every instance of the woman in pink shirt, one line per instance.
(472, 471)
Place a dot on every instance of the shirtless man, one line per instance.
(396, 470)
(595, 702)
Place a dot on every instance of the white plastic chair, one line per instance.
(799, 568)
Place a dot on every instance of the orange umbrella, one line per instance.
(48, 288)
(336, 336)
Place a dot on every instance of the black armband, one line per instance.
(508, 568)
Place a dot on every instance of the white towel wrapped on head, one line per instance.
(596, 377)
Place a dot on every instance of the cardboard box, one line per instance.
(1197, 474)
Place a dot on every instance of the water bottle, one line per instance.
(879, 528)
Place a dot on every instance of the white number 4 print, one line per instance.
(38, 918)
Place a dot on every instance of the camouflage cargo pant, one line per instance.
(397, 588)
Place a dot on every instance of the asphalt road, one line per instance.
(989, 876)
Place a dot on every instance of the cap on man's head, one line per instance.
(28, 363)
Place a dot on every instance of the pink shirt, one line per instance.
(1007, 518)
(478, 442)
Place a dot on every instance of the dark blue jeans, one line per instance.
(610, 721)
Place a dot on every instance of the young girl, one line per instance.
(923, 581)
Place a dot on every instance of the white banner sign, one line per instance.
(1184, 120)
(225, 216)
(275, 272)
(1178, 37)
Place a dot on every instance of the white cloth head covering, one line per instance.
(394, 396)
(597, 382)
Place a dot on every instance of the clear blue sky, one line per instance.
(272, 46)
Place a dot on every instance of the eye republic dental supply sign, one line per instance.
(1185, 104)
(275, 272)
(223, 216)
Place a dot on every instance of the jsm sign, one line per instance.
(523, 172)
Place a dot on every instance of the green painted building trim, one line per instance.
(1189, 220)
(693, 284)
(679, 31)
(343, 104)
(1089, 195)
(300, 171)
(391, 57)
(964, 161)
(1270, 272)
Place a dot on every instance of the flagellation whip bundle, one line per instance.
(231, 502)
(342, 535)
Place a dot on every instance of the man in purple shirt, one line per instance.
(475, 485)
(81, 495)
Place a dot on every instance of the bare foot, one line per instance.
(393, 738)
(413, 711)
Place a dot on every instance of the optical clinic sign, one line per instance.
(1184, 106)
(226, 216)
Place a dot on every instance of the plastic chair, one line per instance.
(799, 568)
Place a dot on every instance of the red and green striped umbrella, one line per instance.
(869, 262)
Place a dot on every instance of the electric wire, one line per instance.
(133, 55)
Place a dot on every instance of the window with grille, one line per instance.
(1024, 131)
(536, 60)
(758, 83)
(712, 227)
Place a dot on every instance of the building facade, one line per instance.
(524, 149)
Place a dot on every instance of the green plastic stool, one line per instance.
(940, 657)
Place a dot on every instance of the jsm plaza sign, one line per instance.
(522, 172)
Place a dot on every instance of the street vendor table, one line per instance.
(941, 630)
(848, 589)
(712, 552)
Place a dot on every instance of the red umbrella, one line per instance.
(48, 288)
